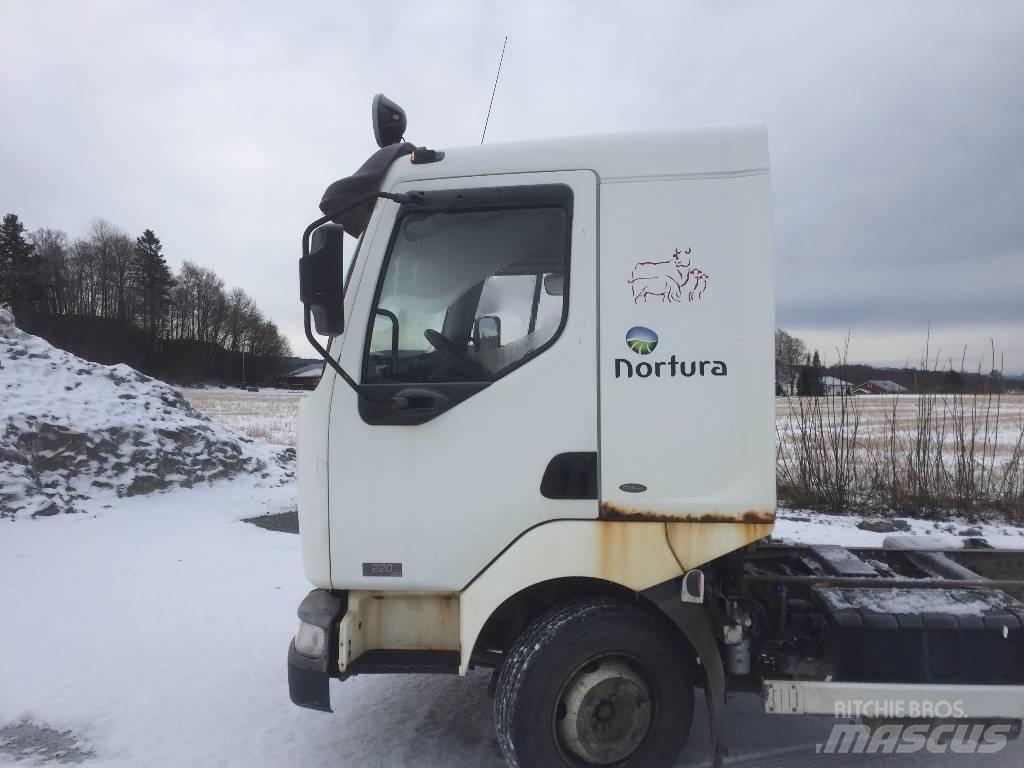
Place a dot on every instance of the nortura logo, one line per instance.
(670, 367)
(641, 340)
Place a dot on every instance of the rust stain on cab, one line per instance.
(641, 553)
(609, 511)
(410, 621)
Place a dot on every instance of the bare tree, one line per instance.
(52, 249)
(790, 353)
(112, 298)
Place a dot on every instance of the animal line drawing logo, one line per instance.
(641, 340)
(668, 280)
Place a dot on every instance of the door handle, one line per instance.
(419, 402)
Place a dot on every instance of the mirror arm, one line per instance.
(326, 355)
(399, 198)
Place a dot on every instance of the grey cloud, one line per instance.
(896, 128)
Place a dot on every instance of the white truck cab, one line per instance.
(549, 395)
(561, 381)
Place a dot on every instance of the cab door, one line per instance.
(473, 333)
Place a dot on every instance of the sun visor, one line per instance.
(366, 181)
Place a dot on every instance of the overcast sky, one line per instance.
(896, 130)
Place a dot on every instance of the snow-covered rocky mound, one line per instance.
(71, 429)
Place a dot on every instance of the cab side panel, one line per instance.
(687, 326)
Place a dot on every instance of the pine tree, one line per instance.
(817, 376)
(810, 381)
(19, 278)
(803, 378)
(151, 281)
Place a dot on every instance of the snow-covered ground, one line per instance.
(805, 527)
(154, 633)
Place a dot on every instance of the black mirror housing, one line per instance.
(388, 121)
(321, 279)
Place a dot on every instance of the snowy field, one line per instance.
(879, 412)
(270, 414)
(266, 415)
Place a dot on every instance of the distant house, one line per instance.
(830, 385)
(303, 377)
(880, 387)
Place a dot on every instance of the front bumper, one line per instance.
(309, 677)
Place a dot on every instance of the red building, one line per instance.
(880, 387)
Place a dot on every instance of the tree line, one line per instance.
(798, 371)
(111, 298)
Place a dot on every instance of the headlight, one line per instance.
(310, 641)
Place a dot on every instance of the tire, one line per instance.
(572, 648)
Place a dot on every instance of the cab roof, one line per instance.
(711, 151)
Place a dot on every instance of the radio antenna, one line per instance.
(494, 90)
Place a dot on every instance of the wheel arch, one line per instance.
(634, 556)
(514, 614)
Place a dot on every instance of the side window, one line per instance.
(467, 295)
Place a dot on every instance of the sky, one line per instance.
(896, 132)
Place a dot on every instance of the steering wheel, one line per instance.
(450, 351)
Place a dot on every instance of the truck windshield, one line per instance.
(468, 291)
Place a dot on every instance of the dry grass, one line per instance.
(926, 455)
(268, 415)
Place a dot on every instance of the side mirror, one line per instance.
(321, 281)
(388, 121)
(487, 332)
(554, 285)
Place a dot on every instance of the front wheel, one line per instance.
(594, 682)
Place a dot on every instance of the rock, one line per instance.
(49, 508)
(878, 526)
(146, 483)
(976, 542)
(901, 525)
(972, 531)
(7, 327)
